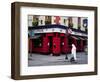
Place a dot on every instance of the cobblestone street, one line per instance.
(47, 60)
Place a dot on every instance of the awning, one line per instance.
(85, 38)
(35, 36)
(82, 38)
(75, 37)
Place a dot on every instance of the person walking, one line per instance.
(73, 53)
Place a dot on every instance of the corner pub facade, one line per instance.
(55, 34)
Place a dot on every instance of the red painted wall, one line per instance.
(56, 45)
(45, 48)
(64, 45)
(59, 44)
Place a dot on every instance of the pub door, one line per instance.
(63, 45)
(56, 46)
(50, 44)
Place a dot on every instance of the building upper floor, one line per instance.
(80, 23)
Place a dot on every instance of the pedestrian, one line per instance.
(73, 53)
(66, 57)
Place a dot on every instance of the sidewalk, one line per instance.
(47, 60)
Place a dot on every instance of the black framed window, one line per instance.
(47, 20)
(35, 20)
(38, 42)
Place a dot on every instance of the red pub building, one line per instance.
(55, 39)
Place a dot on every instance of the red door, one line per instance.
(45, 47)
(64, 45)
(56, 46)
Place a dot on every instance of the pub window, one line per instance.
(47, 20)
(85, 24)
(35, 20)
(64, 21)
(38, 42)
(79, 42)
(70, 22)
(79, 23)
(84, 42)
(41, 21)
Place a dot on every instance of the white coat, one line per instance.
(73, 51)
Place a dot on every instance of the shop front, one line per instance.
(56, 40)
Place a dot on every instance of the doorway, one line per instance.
(50, 44)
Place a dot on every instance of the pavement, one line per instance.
(48, 60)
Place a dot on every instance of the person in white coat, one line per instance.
(73, 52)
